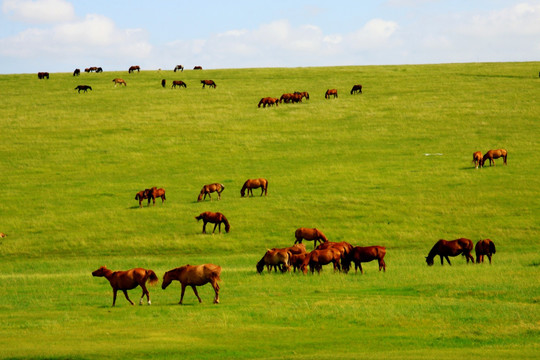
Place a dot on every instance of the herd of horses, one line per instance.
(491, 155)
(297, 96)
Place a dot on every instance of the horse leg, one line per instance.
(127, 297)
(215, 285)
(145, 291)
(489, 257)
(448, 259)
(216, 226)
(360, 266)
(182, 294)
(196, 293)
(204, 228)
(114, 296)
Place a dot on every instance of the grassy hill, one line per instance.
(390, 167)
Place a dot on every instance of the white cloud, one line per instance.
(376, 33)
(39, 11)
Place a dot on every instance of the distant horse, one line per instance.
(99, 70)
(194, 275)
(477, 159)
(127, 280)
(330, 92)
(291, 97)
(163, 83)
(197, 68)
(91, 69)
(309, 234)
(141, 195)
(178, 67)
(275, 258)
(495, 154)
(303, 94)
(2, 235)
(286, 97)
(178, 83)
(209, 83)
(77, 72)
(317, 258)
(87, 70)
(210, 188)
(484, 247)
(43, 75)
(251, 184)
(84, 88)
(133, 68)
(270, 101)
(360, 254)
(356, 88)
(215, 218)
(119, 81)
(153, 193)
(445, 249)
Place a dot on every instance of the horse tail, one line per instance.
(151, 275)
(214, 276)
(227, 225)
(137, 197)
(222, 187)
(492, 247)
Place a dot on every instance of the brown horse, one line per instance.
(317, 258)
(495, 154)
(286, 98)
(445, 249)
(303, 94)
(360, 254)
(270, 101)
(43, 75)
(251, 184)
(141, 195)
(209, 83)
(344, 247)
(194, 275)
(117, 81)
(484, 247)
(2, 235)
(297, 260)
(477, 159)
(77, 72)
(163, 83)
(309, 234)
(215, 218)
(178, 67)
(297, 250)
(197, 68)
(153, 193)
(275, 258)
(99, 70)
(330, 92)
(356, 89)
(133, 68)
(207, 189)
(178, 83)
(84, 88)
(127, 280)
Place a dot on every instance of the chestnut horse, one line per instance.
(298, 251)
(127, 280)
(303, 94)
(344, 247)
(317, 258)
(209, 83)
(207, 189)
(360, 254)
(270, 101)
(178, 67)
(194, 275)
(141, 195)
(178, 83)
(84, 88)
(251, 184)
(484, 247)
(445, 249)
(163, 82)
(309, 234)
(275, 258)
(133, 68)
(297, 260)
(356, 88)
(329, 93)
(215, 218)
(117, 81)
(153, 193)
(477, 159)
(495, 154)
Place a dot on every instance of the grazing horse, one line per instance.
(209, 83)
(275, 258)
(210, 188)
(294, 97)
(178, 83)
(99, 70)
(194, 275)
(445, 249)
(178, 67)
(360, 254)
(119, 81)
(356, 88)
(270, 101)
(43, 75)
(309, 234)
(127, 280)
(484, 247)
(477, 159)
(197, 68)
(330, 92)
(215, 218)
(163, 83)
(297, 260)
(303, 94)
(286, 98)
(141, 195)
(251, 184)
(298, 251)
(153, 193)
(77, 72)
(495, 154)
(317, 258)
(84, 88)
(133, 68)
(344, 247)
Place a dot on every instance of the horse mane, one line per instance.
(227, 225)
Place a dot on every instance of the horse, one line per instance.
(317, 258)
(484, 247)
(356, 88)
(344, 247)
(303, 94)
(330, 92)
(163, 83)
(197, 68)
(297, 260)
(99, 70)
(210, 83)
(2, 235)
(117, 81)
(296, 97)
(87, 70)
(77, 72)
(141, 195)
(194, 275)
(297, 250)
(477, 159)
(309, 234)
(445, 249)
(210, 188)
(43, 75)
(127, 280)
(133, 68)
(178, 83)
(495, 154)
(277, 258)
(84, 88)
(251, 184)
(270, 101)
(178, 67)
(360, 254)
(215, 218)
(285, 97)
(91, 69)
(153, 193)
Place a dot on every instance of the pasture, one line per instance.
(391, 166)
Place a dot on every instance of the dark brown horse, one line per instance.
(276, 258)
(133, 68)
(270, 101)
(317, 258)
(330, 92)
(215, 218)
(84, 88)
(141, 195)
(178, 83)
(445, 249)
(251, 184)
(117, 81)
(495, 154)
(127, 280)
(360, 254)
(210, 188)
(209, 83)
(356, 89)
(153, 193)
(163, 83)
(77, 72)
(99, 70)
(43, 75)
(91, 69)
(194, 275)
(477, 159)
(197, 68)
(484, 247)
(178, 67)
(310, 234)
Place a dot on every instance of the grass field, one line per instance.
(356, 167)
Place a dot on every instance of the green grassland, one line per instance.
(355, 167)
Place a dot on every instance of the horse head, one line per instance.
(167, 279)
(429, 261)
(260, 266)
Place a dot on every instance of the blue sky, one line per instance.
(60, 35)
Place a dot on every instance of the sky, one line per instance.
(61, 35)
